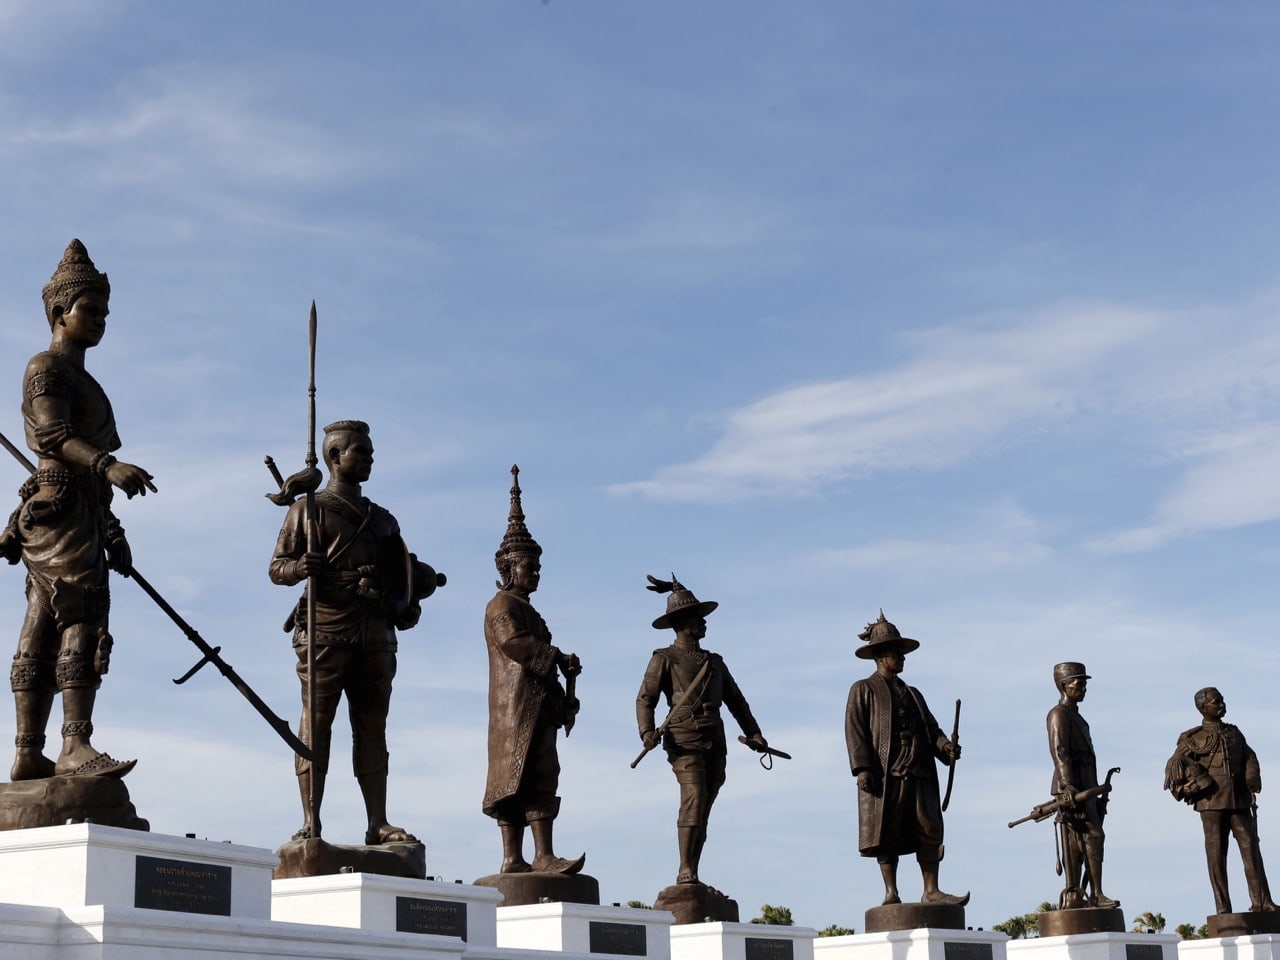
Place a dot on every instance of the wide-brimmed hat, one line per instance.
(681, 604)
(880, 636)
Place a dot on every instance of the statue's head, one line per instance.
(341, 436)
(74, 276)
(683, 608)
(518, 546)
(1210, 703)
(1067, 672)
(881, 637)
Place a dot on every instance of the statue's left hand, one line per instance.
(120, 557)
(951, 751)
(10, 547)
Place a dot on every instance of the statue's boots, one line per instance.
(544, 858)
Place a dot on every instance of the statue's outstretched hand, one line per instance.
(129, 478)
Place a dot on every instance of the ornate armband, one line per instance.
(100, 463)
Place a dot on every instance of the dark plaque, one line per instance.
(448, 918)
(966, 951)
(1143, 951)
(627, 939)
(182, 886)
(758, 948)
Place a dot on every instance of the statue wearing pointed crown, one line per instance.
(65, 533)
(528, 707)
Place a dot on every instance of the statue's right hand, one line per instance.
(1067, 797)
(869, 781)
(651, 739)
(308, 565)
(130, 479)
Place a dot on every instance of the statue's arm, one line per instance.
(651, 687)
(1058, 725)
(1252, 771)
(741, 710)
(286, 568)
(514, 639)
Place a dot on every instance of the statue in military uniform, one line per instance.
(1214, 769)
(64, 530)
(1075, 771)
(695, 683)
(527, 706)
(367, 587)
(894, 744)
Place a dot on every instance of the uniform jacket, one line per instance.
(1071, 747)
(1218, 754)
(697, 724)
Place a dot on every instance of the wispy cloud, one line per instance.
(962, 390)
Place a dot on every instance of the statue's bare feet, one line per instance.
(550, 863)
(87, 762)
(937, 896)
(1267, 907)
(386, 833)
(890, 898)
(515, 866)
(30, 764)
(307, 832)
(686, 876)
(1103, 902)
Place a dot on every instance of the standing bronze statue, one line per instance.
(1075, 771)
(695, 683)
(527, 708)
(64, 530)
(1214, 769)
(366, 587)
(894, 745)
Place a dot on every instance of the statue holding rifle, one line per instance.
(894, 746)
(64, 531)
(695, 684)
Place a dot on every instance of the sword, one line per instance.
(951, 768)
(211, 654)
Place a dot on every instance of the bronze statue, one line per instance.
(1081, 805)
(364, 585)
(894, 743)
(1215, 770)
(64, 530)
(695, 682)
(527, 705)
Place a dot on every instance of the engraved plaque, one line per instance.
(759, 948)
(626, 939)
(445, 917)
(966, 951)
(182, 886)
(1143, 951)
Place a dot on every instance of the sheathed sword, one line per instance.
(210, 654)
(951, 767)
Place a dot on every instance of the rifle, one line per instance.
(1046, 810)
(210, 654)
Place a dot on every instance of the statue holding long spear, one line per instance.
(362, 586)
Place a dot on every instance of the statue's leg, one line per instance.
(311, 776)
(1245, 827)
(32, 680)
(368, 689)
(929, 837)
(690, 770)
(78, 679)
(1093, 848)
(513, 860)
(889, 874)
(1072, 845)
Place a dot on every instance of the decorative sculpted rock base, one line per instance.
(914, 916)
(316, 858)
(697, 903)
(52, 802)
(521, 888)
(1062, 923)
(1243, 924)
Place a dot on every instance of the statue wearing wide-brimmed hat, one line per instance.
(695, 683)
(894, 743)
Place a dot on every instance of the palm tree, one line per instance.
(1149, 922)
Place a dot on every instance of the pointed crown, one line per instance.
(75, 275)
(517, 541)
(681, 604)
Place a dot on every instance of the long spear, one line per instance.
(313, 813)
(211, 654)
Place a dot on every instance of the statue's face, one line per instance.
(1213, 707)
(892, 661)
(86, 321)
(355, 462)
(1075, 689)
(693, 627)
(526, 574)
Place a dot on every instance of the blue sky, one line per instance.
(966, 312)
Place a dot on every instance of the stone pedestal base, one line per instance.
(697, 903)
(1065, 923)
(920, 944)
(520, 888)
(316, 858)
(1097, 946)
(1257, 947)
(1243, 924)
(366, 901)
(741, 941)
(581, 928)
(53, 801)
(914, 916)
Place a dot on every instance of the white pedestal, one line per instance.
(1097, 946)
(367, 901)
(925, 944)
(741, 941)
(586, 928)
(1259, 946)
(87, 864)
